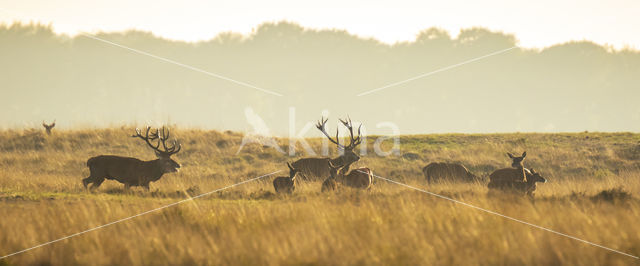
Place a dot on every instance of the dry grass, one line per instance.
(592, 194)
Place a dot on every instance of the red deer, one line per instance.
(318, 168)
(49, 127)
(518, 163)
(286, 184)
(452, 172)
(132, 171)
(510, 181)
(331, 184)
(361, 178)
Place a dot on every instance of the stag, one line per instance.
(286, 184)
(318, 168)
(49, 127)
(132, 171)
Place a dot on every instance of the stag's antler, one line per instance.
(354, 141)
(162, 137)
(321, 126)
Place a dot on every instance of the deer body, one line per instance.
(511, 181)
(453, 172)
(360, 178)
(126, 170)
(286, 184)
(317, 168)
(132, 171)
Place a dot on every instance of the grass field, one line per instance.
(592, 193)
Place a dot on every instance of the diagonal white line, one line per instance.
(137, 215)
(436, 71)
(180, 64)
(503, 216)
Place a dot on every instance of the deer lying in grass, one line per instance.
(453, 172)
(132, 171)
(317, 168)
(360, 178)
(509, 180)
(49, 128)
(286, 184)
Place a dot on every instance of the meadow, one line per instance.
(592, 193)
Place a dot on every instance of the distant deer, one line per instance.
(518, 163)
(508, 179)
(318, 168)
(286, 184)
(48, 128)
(132, 171)
(453, 172)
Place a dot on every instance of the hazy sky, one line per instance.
(535, 23)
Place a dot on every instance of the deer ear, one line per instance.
(158, 154)
(524, 154)
(510, 155)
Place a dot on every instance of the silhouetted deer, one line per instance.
(48, 128)
(317, 168)
(286, 184)
(132, 171)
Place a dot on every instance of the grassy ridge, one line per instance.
(594, 183)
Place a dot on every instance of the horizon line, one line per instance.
(247, 35)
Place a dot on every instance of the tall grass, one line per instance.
(594, 181)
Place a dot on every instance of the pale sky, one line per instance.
(535, 23)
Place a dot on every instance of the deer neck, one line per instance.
(156, 169)
(338, 161)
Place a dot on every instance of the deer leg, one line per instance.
(146, 187)
(96, 183)
(127, 187)
(86, 181)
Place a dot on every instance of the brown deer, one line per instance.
(508, 179)
(318, 168)
(518, 163)
(453, 172)
(132, 171)
(286, 184)
(49, 127)
(360, 178)
(331, 183)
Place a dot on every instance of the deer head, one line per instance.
(517, 160)
(536, 177)
(349, 156)
(49, 127)
(164, 153)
